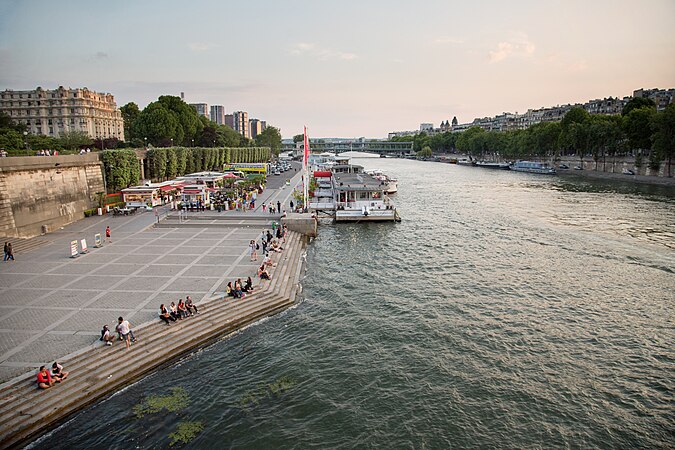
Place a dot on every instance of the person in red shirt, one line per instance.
(44, 379)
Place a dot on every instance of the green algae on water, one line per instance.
(253, 397)
(185, 432)
(155, 403)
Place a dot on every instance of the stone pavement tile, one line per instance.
(144, 316)
(142, 284)
(161, 270)
(137, 259)
(214, 260)
(7, 373)
(90, 320)
(97, 258)
(137, 241)
(25, 267)
(173, 242)
(120, 299)
(52, 346)
(20, 297)
(176, 259)
(12, 279)
(228, 250)
(189, 250)
(154, 250)
(191, 284)
(119, 268)
(74, 268)
(47, 281)
(10, 339)
(204, 242)
(33, 319)
(116, 248)
(99, 282)
(206, 271)
(66, 298)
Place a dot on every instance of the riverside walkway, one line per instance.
(54, 306)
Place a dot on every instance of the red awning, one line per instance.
(168, 187)
(321, 174)
(230, 175)
(192, 191)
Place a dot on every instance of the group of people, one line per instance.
(123, 330)
(47, 153)
(239, 289)
(271, 208)
(47, 379)
(182, 310)
(9, 252)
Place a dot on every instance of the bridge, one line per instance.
(386, 148)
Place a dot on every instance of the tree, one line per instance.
(75, 139)
(270, 137)
(425, 152)
(663, 147)
(637, 126)
(465, 138)
(130, 113)
(298, 138)
(574, 115)
(637, 103)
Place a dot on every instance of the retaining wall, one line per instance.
(43, 193)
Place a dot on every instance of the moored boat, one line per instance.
(533, 167)
(391, 184)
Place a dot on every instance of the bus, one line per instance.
(247, 168)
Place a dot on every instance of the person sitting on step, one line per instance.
(106, 336)
(190, 306)
(182, 310)
(58, 374)
(249, 285)
(164, 314)
(44, 379)
(173, 310)
(263, 274)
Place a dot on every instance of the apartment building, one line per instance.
(201, 108)
(218, 114)
(240, 122)
(52, 112)
(256, 127)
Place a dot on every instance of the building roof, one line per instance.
(357, 182)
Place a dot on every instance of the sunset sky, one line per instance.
(343, 68)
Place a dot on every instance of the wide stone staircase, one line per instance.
(27, 411)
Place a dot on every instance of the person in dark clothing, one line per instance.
(9, 252)
(291, 205)
(278, 207)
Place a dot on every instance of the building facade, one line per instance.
(256, 127)
(201, 108)
(240, 119)
(218, 114)
(54, 112)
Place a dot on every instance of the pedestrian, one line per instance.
(278, 206)
(263, 207)
(291, 205)
(264, 244)
(190, 306)
(107, 234)
(253, 247)
(10, 252)
(5, 258)
(124, 330)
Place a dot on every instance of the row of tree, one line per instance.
(170, 121)
(122, 167)
(640, 131)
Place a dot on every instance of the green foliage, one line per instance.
(121, 167)
(185, 432)
(270, 137)
(575, 115)
(266, 391)
(155, 403)
(663, 147)
(298, 138)
(637, 125)
(425, 152)
(637, 103)
(130, 113)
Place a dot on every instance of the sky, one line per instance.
(343, 68)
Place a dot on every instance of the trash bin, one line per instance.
(100, 211)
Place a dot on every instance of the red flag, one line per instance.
(305, 158)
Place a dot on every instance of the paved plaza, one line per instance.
(52, 305)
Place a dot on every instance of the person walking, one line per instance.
(278, 206)
(291, 205)
(253, 250)
(9, 252)
(107, 234)
(5, 258)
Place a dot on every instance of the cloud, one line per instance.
(320, 53)
(199, 47)
(100, 55)
(519, 45)
(444, 40)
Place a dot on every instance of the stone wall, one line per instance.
(616, 165)
(302, 223)
(39, 193)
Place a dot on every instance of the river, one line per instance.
(506, 310)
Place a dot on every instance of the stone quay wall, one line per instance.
(39, 194)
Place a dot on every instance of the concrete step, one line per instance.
(20, 245)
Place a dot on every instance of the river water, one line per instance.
(506, 310)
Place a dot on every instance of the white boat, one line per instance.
(391, 184)
(532, 167)
(360, 197)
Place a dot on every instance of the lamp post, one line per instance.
(193, 142)
(145, 140)
(172, 142)
(25, 140)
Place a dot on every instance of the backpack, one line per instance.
(257, 246)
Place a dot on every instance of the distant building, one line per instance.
(229, 120)
(218, 114)
(426, 127)
(201, 108)
(257, 127)
(54, 112)
(662, 97)
(240, 119)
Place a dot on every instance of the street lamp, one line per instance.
(146, 142)
(25, 140)
(172, 142)
(193, 142)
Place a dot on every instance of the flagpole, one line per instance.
(305, 162)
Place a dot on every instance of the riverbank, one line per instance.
(599, 175)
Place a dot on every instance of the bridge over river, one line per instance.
(386, 148)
